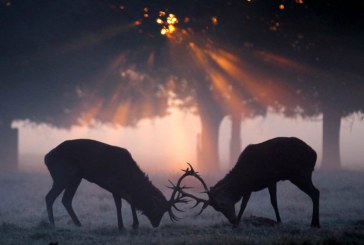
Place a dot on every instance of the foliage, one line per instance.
(66, 59)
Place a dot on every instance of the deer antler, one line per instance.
(196, 175)
(180, 198)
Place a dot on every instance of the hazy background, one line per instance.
(166, 144)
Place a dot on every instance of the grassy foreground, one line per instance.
(23, 217)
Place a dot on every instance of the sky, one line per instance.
(168, 143)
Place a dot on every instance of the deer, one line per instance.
(261, 166)
(113, 169)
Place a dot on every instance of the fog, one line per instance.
(164, 145)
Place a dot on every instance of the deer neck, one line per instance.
(143, 193)
(234, 183)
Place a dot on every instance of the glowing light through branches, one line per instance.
(168, 23)
(236, 84)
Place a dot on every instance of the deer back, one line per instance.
(110, 167)
(270, 161)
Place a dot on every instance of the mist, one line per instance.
(173, 150)
(24, 219)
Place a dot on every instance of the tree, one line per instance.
(28, 77)
(105, 74)
(108, 61)
(55, 52)
(292, 35)
(322, 43)
(326, 38)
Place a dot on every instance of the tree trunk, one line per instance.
(331, 139)
(235, 141)
(8, 146)
(208, 145)
(211, 113)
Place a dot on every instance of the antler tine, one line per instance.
(198, 200)
(181, 194)
(192, 170)
(173, 185)
(176, 187)
(172, 216)
(203, 208)
(179, 210)
(196, 175)
(176, 199)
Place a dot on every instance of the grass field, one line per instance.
(23, 218)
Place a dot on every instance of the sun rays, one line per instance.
(138, 83)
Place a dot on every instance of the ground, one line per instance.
(23, 218)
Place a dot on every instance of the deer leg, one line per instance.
(67, 200)
(118, 204)
(135, 217)
(244, 202)
(273, 199)
(50, 198)
(306, 185)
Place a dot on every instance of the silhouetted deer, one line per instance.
(113, 169)
(261, 166)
